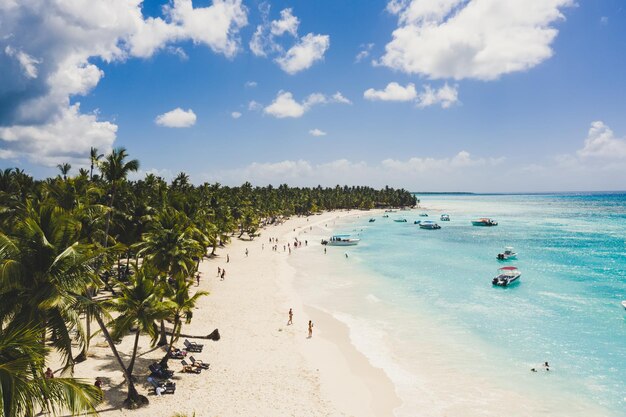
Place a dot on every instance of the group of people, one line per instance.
(221, 273)
(545, 366)
(290, 322)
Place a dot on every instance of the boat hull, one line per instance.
(351, 243)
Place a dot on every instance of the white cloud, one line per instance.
(176, 118)
(480, 39)
(423, 173)
(250, 84)
(604, 20)
(445, 96)
(254, 105)
(235, 115)
(300, 56)
(393, 92)
(288, 23)
(284, 105)
(317, 132)
(304, 54)
(66, 137)
(364, 52)
(602, 143)
(45, 66)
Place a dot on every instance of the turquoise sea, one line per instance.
(420, 304)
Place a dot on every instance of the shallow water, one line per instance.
(420, 304)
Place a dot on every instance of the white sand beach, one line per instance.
(261, 366)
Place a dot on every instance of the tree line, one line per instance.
(78, 250)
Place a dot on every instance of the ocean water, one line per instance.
(420, 304)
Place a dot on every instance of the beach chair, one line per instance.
(189, 369)
(198, 364)
(159, 372)
(177, 354)
(193, 346)
(167, 386)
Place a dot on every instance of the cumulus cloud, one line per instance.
(254, 105)
(317, 132)
(602, 143)
(480, 39)
(235, 115)
(266, 41)
(49, 52)
(250, 84)
(176, 118)
(284, 105)
(393, 92)
(445, 96)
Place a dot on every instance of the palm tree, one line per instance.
(65, 169)
(181, 307)
(94, 158)
(24, 388)
(43, 268)
(140, 307)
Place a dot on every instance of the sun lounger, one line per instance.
(159, 372)
(190, 369)
(162, 387)
(193, 346)
(198, 363)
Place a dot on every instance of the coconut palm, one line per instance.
(65, 169)
(94, 158)
(140, 307)
(43, 267)
(24, 388)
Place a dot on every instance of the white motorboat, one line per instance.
(430, 225)
(507, 254)
(506, 276)
(624, 303)
(444, 218)
(341, 240)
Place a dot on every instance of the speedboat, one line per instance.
(507, 254)
(399, 220)
(444, 218)
(423, 214)
(372, 220)
(427, 224)
(341, 240)
(485, 221)
(624, 303)
(506, 276)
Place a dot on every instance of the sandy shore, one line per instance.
(261, 366)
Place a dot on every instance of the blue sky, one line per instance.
(505, 95)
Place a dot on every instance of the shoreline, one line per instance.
(260, 366)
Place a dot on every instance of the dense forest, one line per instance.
(74, 250)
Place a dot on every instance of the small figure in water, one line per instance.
(346, 255)
(290, 321)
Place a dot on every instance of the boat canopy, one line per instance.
(508, 268)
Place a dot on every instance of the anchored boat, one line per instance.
(341, 240)
(506, 276)
(430, 225)
(485, 221)
(444, 218)
(507, 254)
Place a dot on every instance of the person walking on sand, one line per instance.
(310, 329)
(227, 258)
(223, 275)
(198, 278)
(246, 252)
(290, 321)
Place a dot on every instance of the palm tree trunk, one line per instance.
(132, 359)
(134, 399)
(163, 338)
(175, 334)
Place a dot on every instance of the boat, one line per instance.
(399, 220)
(385, 216)
(444, 218)
(506, 276)
(507, 254)
(423, 214)
(484, 221)
(428, 224)
(372, 220)
(624, 303)
(341, 240)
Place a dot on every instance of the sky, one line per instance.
(429, 95)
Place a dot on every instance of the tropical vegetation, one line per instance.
(76, 251)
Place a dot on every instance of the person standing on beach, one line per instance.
(223, 275)
(219, 271)
(246, 252)
(227, 258)
(324, 251)
(290, 321)
(310, 329)
(198, 278)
